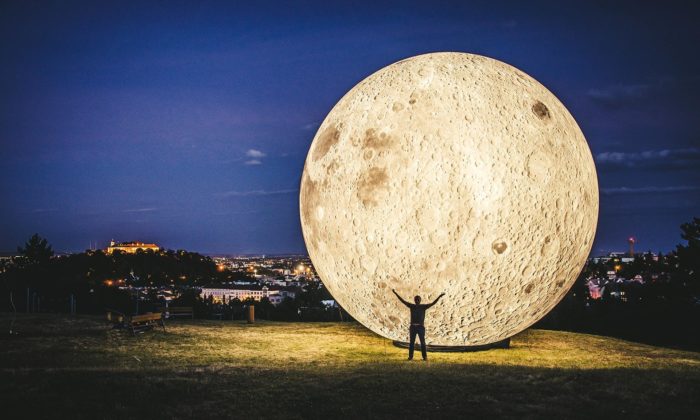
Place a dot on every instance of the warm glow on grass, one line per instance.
(61, 364)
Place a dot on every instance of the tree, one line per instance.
(36, 250)
(312, 295)
(288, 310)
(264, 308)
(688, 256)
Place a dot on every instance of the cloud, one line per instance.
(254, 153)
(648, 190)
(619, 95)
(141, 210)
(310, 126)
(664, 158)
(256, 193)
(655, 92)
(255, 156)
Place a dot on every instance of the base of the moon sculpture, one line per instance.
(503, 344)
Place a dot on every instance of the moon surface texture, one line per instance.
(449, 172)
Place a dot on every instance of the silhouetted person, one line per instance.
(417, 318)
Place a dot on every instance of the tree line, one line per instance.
(664, 309)
(37, 280)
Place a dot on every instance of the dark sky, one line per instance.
(188, 124)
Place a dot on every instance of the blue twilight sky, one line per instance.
(187, 123)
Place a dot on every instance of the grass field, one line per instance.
(77, 367)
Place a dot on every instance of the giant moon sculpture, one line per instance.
(455, 173)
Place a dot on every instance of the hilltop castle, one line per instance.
(130, 247)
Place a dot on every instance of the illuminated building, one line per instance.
(130, 247)
(274, 294)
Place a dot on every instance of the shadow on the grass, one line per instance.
(410, 390)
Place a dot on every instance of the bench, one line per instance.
(183, 311)
(138, 323)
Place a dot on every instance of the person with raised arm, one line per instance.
(417, 319)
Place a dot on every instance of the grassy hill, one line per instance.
(60, 366)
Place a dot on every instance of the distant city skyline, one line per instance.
(187, 125)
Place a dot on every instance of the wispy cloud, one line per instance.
(141, 210)
(310, 126)
(255, 153)
(255, 156)
(649, 190)
(255, 193)
(652, 91)
(620, 94)
(657, 158)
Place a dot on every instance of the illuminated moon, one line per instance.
(449, 172)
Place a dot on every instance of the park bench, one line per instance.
(138, 323)
(183, 311)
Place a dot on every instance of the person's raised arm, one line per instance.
(436, 300)
(400, 298)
